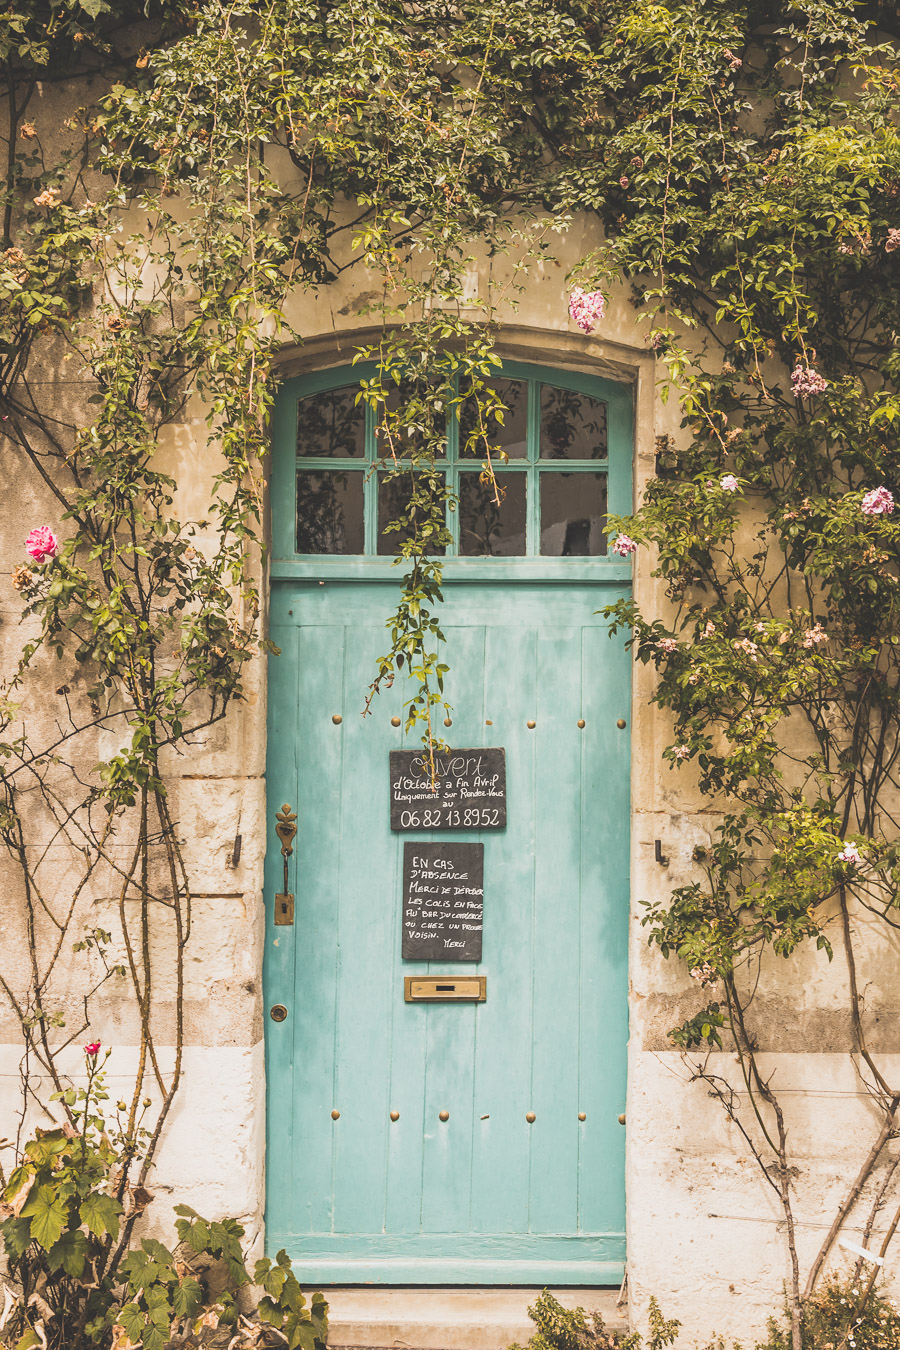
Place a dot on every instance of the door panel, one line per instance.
(485, 1196)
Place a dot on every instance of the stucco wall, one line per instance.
(704, 1230)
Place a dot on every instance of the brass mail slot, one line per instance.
(445, 988)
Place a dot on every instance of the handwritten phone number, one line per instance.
(472, 817)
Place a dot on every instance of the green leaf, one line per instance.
(16, 1235)
(48, 1215)
(303, 1336)
(69, 1253)
(100, 1213)
(187, 1297)
(17, 1179)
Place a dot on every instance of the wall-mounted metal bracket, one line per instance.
(658, 853)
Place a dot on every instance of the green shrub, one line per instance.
(560, 1328)
(829, 1321)
(75, 1281)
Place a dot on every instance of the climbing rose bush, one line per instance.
(586, 308)
(878, 502)
(806, 381)
(42, 543)
(624, 546)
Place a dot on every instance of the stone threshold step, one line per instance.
(447, 1317)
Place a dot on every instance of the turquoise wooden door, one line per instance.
(450, 1142)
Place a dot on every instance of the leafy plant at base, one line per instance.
(561, 1328)
(830, 1320)
(72, 1280)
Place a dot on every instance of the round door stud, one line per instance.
(395, 1115)
(278, 1012)
(580, 724)
(337, 719)
(444, 1115)
(582, 1115)
(531, 725)
(488, 722)
(530, 1117)
(621, 724)
(395, 721)
(622, 1118)
(335, 1115)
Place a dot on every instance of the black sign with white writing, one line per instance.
(443, 901)
(466, 792)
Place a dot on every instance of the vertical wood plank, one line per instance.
(604, 932)
(553, 1201)
(317, 850)
(368, 923)
(280, 946)
(451, 1028)
(503, 1049)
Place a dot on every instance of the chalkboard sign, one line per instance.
(467, 793)
(443, 901)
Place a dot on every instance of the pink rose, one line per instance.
(92, 1049)
(805, 382)
(624, 545)
(682, 752)
(667, 645)
(586, 308)
(878, 502)
(729, 483)
(850, 854)
(41, 543)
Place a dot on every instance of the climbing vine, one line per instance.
(183, 187)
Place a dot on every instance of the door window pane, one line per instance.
(423, 428)
(394, 497)
(573, 426)
(330, 512)
(332, 425)
(510, 435)
(486, 529)
(573, 514)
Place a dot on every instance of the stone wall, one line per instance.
(704, 1230)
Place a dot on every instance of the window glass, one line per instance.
(424, 422)
(573, 514)
(332, 425)
(510, 435)
(573, 426)
(488, 528)
(330, 511)
(394, 495)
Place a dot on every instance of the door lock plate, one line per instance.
(284, 910)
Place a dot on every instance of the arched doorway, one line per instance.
(451, 1140)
